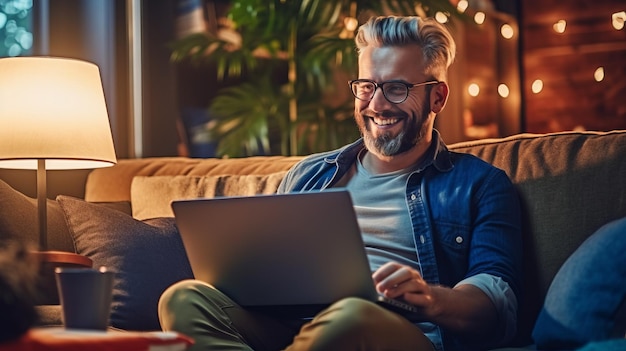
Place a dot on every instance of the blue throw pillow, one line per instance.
(586, 297)
(606, 345)
(147, 257)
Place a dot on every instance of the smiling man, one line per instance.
(441, 229)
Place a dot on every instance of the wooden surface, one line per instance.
(566, 62)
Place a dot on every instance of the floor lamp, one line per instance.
(53, 116)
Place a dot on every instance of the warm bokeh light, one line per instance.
(537, 86)
(462, 6)
(479, 17)
(441, 17)
(350, 23)
(507, 31)
(559, 26)
(598, 75)
(503, 90)
(473, 89)
(618, 19)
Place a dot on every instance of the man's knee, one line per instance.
(352, 317)
(358, 324)
(355, 312)
(182, 298)
(179, 292)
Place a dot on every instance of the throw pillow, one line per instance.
(18, 220)
(147, 256)
(151, 196)
(585, 298)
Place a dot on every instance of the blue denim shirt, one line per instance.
(466, 222)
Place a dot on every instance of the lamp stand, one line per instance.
(50, 260)
(42, 204)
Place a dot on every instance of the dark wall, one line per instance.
(160, 103)
(90, 31)
(97, 31)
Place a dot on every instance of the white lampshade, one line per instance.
(53, 109)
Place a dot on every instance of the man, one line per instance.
(442, 230)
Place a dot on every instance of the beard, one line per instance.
(387, 144)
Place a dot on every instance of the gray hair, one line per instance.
(436, 42)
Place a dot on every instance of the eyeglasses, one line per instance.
(394, 91)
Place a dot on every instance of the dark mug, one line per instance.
(85, 296)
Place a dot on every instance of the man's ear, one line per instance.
(439, 96)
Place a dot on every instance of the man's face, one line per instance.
(390, 129)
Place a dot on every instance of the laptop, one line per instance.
(300, 251)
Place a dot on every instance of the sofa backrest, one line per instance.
(114, 183)
(570, 185)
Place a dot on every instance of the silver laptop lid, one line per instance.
(288, 249)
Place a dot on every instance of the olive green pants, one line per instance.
(215, 322)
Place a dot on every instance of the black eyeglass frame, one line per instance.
(381, 85)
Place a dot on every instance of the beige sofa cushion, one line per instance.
(113, 183)
(151, 196)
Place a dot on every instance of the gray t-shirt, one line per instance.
(380, 205)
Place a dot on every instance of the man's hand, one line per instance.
(466, 310)
(394, 280)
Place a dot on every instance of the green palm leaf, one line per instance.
(307, 40)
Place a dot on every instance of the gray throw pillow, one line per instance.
(147, 256)
(585, 300)
(18, 220)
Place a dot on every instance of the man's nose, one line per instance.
(379, 102)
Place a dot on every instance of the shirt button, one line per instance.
(459, 239)
(413, 197)
(422, 240)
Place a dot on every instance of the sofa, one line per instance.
(570, 185)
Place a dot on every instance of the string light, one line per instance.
(441, 17)
(618, 19)
(537, 86)
(598, 75)
(503, 90)
(559, 26)
(473, 89)
(462, 6)
(507, 31)
(479, 17)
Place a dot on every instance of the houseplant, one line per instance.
(294, 57)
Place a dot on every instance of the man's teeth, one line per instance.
(385, 121)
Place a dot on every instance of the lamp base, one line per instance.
(48, 262)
